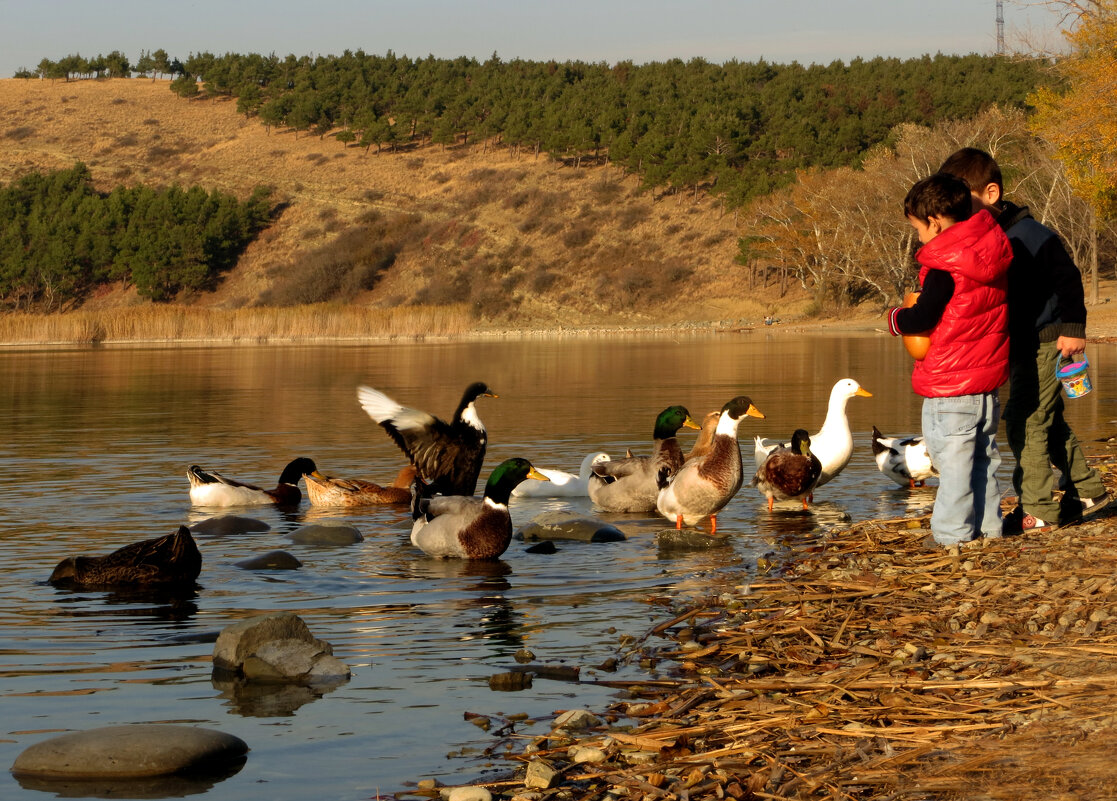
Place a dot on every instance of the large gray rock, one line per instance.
(123, 752)
(559, 525)
(275, 648)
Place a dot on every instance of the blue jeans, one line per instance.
(960, 433)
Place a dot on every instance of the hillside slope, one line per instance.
(522, 239)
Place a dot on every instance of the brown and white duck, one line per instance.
(466, 527)
(705, 484)
(789, 473)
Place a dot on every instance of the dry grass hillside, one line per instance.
(520, 240)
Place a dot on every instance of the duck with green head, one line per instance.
(707, 482)
(466, 527)
(629, 485)
(789, 473)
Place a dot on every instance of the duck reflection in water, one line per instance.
(483, 585)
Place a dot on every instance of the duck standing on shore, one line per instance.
(447, 456)
(630, 484)
(706, 483)
(466, 527)
(210, 488)
(789, 473)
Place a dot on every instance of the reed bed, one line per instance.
(871, 667)
(170, 324)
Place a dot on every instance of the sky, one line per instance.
(780, 31)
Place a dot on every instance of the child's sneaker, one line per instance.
(1033, 523)
(1092, 505)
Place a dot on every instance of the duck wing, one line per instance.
(201, 476)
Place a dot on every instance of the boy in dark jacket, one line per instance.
(964, 279)
(1047, 319)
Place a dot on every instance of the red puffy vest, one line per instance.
(969, 346)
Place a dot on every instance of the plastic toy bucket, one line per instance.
(1074, 375)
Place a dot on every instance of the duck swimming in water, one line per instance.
(466, 527)
(630, 484)
(210, 488)
(343, 492)
(172, 560)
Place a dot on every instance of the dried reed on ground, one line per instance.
(874, 667)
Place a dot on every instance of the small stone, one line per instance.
(539, 775)
(587, 755)
(576, 720)
(689, 539)
(135, 751)
(466, 794)
(523, 656)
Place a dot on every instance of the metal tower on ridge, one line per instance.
(1000, 28)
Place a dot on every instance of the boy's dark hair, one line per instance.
(939, 195)
(976, 167)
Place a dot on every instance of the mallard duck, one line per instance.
(560, 484)
(630, 484)
(448, 456)
(467, 527)
(164, 561)
(789, 472)
(210, 488)
(903, 459)
(705, 435)
(705, 484)
(833, 444)
(326, 491)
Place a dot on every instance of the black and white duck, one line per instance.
(447, 455)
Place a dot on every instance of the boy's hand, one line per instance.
(1069, 346)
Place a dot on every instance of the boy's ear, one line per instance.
(990, 195)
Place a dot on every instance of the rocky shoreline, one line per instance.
(867, 667)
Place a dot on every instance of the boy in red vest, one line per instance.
(962, 307)
(1047, 319)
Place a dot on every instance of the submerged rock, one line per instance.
(689, 539)
(324, 534)
(272, 560)
(122, 752)
(568, 526)
(224, 525)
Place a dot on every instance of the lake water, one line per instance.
(94, 448)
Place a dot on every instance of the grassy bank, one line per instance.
(251, 325)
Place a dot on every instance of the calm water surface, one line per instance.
(96, 441)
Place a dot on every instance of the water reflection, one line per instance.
(176, 786)
(260, 700)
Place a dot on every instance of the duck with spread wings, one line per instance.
(447, 455)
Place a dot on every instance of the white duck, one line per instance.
(560, 484)
(833, 444)
(905, 460)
